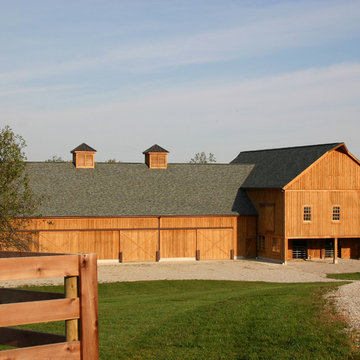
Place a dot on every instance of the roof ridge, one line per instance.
(129, 163)
(83, 147)
(155, 148)
(293, 147)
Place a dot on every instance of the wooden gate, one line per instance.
(104, 243)
(139, 245)
(215, 243)
(178, 243)
(78, 307)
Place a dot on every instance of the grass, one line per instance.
(195, 319)
(345, 276)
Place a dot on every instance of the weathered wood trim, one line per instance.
(61, 351)
(137, 216)
(285, 239)
(352, 156)
(321, 190)
(335, 260)
(89, 331)
(39, 267)
(132, 229)
(39, 311)
(71, 291)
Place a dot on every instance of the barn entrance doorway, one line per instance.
(329, 248)
(299, 249)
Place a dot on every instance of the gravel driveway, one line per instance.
(347, 297)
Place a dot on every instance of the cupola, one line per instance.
(84, 156)
(156, 157)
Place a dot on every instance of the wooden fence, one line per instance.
(78, 307)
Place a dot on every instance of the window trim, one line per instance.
(334, 213)
(308, 214)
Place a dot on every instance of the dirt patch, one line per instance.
(238, 270)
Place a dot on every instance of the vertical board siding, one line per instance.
(269, 204)
(334, 180)
(350, 248)
(269, 196)
(197, 221)
(268, 252)
(321, 203)
(139, 245)
(336, 170)
(246, 236)
(177, 243)
(214, 244)
(314, 248)
(138, 238)
(104, 243)
(93, 223)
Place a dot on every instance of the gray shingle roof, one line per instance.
(275, 168)
(83, 147)
(155, 148)
(123, 189)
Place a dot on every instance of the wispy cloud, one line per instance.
(283, 28)
(38, 89)
(303, 106)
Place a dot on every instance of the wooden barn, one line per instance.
(307, 199)
(280, 204)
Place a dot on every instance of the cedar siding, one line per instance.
(334, 180)
(140, 238)
(269, 204)
(253, 206)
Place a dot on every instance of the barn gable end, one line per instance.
(335, 170)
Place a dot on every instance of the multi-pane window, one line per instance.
(307, 213)
(276, 245)
(261, 243)
(336, 213)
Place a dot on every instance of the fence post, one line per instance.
(71, 326)
(89, 331)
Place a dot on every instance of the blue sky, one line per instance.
(213, 76)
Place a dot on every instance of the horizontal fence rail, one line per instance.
(78, 307)
(39, 267)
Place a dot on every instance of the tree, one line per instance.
(17, 201)
(112, 161)
(202, 158)
(55, 158)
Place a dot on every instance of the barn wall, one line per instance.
(321, 224)
(350, 248)
(140, 238)
(246, 236)
(269, 204)
(334, 171)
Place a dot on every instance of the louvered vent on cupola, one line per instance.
(84, 156)
(156, 157)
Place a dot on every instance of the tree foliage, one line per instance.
(112, 161)
(55, 158)
(202, 158)
(17, 201)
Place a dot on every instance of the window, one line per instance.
(276, 245)
(261, 243)
(336, 213)
(307, 213)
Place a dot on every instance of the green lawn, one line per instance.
(345, 276)
(217, 320)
